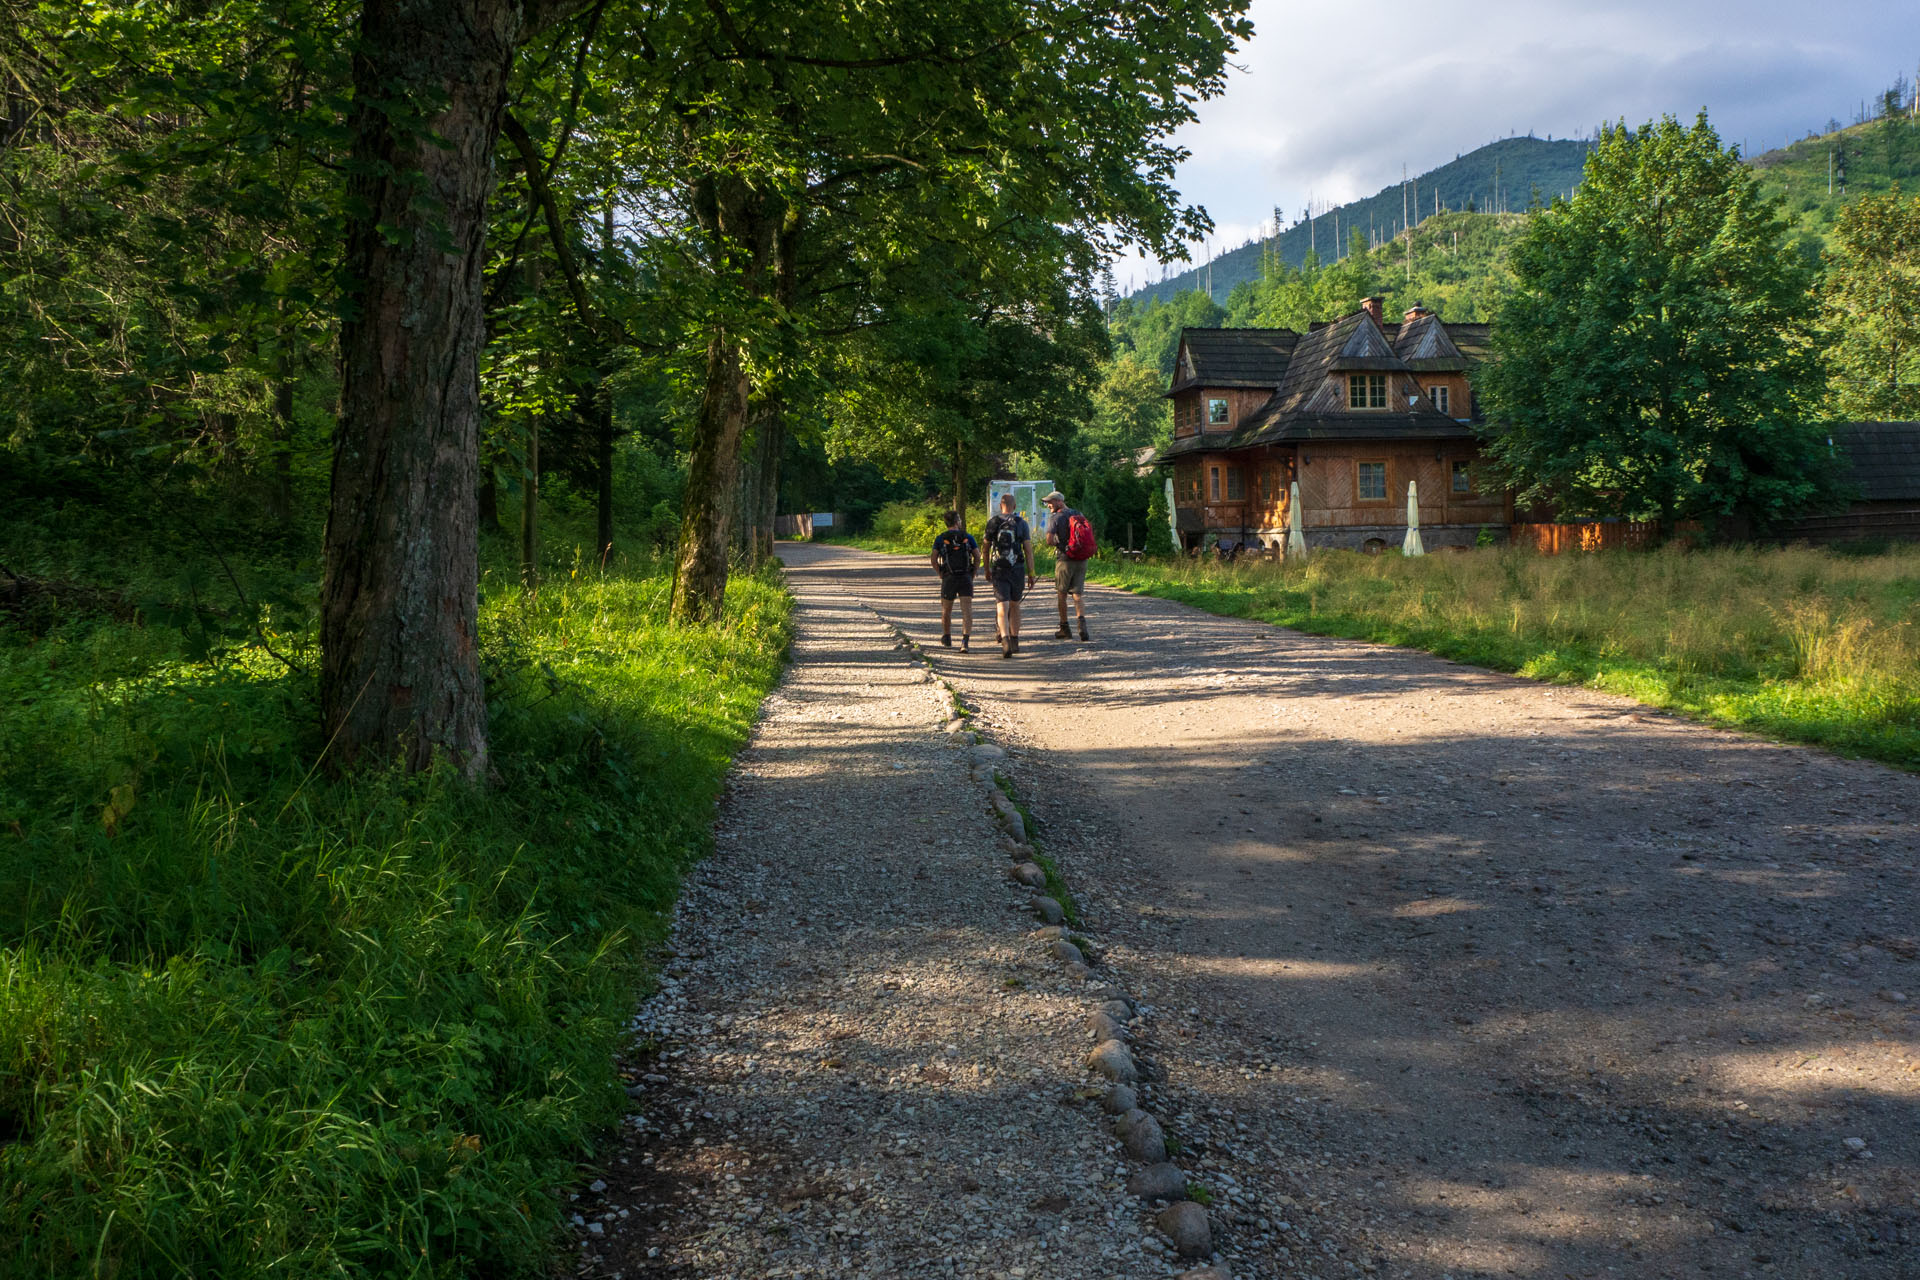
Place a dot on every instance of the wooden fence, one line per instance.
(1587, 535)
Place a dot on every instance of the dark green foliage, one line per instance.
(254, 1021)
(1657, 358)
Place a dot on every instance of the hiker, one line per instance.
(955, 557)
(1070, 534)
(1010, 570)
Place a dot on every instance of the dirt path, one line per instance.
(861, 1064)
(1461, 975)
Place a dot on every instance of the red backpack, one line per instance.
(1080, 544)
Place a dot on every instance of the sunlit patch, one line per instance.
(1434, 907)
(1294, 969)
(1786, 1074)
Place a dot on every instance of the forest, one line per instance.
(398, 399)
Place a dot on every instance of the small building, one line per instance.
(1881, 461)
(1351, 410)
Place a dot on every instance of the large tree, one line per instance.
(400, 669)
(1657, 358)
(920, 117)
(1870, 302)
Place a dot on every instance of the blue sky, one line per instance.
(1331, 100)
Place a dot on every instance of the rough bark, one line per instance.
(700, 570)
(530, 511)
(960, 483)
(770, 487)
(400, 668)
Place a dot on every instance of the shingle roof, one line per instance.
(1427, 347)
(1883, 458)
(1233, 357)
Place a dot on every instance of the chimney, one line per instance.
(1372, 307)
(1415, 312)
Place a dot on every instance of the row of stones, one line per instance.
(1159, 1180)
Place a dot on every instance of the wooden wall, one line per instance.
(1329, 486)
(1190, 408)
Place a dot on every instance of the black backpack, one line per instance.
(1006, 544)
(955, 561)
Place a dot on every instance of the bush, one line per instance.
(909, 526)
(254, 1021)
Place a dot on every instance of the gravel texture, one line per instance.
(860, 1061)
(1443, 973)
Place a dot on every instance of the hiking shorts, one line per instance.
(1009, 584)
(1069, 576)
(953, 585)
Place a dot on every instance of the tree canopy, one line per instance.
(1657, 357)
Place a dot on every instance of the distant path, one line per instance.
(1459, 974)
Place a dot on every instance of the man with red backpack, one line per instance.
(1071, 535)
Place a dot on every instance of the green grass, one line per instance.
(1056, 884)
(1802, 644)
(254, 1021)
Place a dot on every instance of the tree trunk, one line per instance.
(489, 496)
(400, 668)
(960, 483)
(530, 511)
(776, 428)
(603, 427)
(280, 485)
(700, 571)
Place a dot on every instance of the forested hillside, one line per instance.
(1504, 176)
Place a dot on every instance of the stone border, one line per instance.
(1181, 1220)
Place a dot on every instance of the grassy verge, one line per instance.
(254, 1021)
(1807, 645)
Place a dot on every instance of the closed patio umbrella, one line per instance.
(1296, 536)
(1413, 546)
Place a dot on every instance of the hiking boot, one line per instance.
(946, 639)
(1083, 630)
(1013, 644)
(1063, 633)
(1006, 646)
(963, 644)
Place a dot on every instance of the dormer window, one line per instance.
(1367, 391)
(1217, 411)
(1440, 397)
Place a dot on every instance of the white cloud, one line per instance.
(1333, 100)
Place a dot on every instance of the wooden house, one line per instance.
(1353, 410)
(1881, 462)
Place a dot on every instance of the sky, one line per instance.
(1330, 100)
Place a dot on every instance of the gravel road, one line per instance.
(861, 1062)
(1451, 974)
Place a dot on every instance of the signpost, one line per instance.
(1026, 503)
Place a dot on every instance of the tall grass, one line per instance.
(255, 1021)
(1801, 643)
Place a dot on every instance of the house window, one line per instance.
(1216, 412)
(1367, 390)
(1372, 482)
(1213, 482)
(1236, 488)
(1462, 478)
(1439, 397)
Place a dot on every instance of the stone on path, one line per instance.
(1049, 910)
(1142, 1136)
(1163, 1181)
(1186, 1225)
(1111, 1059)
(1105, 1027)
(1029, 874)
(1120, 1099)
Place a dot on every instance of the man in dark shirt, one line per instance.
(1009, 551)
(955, 557)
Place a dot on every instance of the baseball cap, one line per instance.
(1055, 494)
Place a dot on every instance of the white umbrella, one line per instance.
(1296, 535)
(1173, 518)
(1412, 546)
